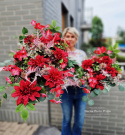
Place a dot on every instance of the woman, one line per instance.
(74, 95)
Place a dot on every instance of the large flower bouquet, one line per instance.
(42, 69)
(101, 72)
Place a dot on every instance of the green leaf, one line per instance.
(110, 48)
(115, 46)
(121, 88)
(33, 102)
(2, 88)
(50, 96)
(24, 114)
(19, 108)
(85, 98)
(97, 91)
(57, 28)
(11, 54)
(116, 51)
(92, 94)
(24, 30)
(15, 84)
(50, 26)
(54, 23)
(41, 98)
(113, 55)
(30, 106)
(105, 90)
(61, 61)
(91, 102)
(5, 95)
(12, 91)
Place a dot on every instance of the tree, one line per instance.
(97, 28)
(121, 34)
(97, 32)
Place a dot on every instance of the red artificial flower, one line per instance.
(92, 82)
(39, 26)
(111, 70)
(54, 77)
(87, 64)
(54, 101)
(58, 91)
(105, 59)
(100, 50)
(39, 61)
(26, 91)
(21, 54)
(86, 90)
(47, 37)
(57, 37)
(60, 54)
(29, 40)
(99, 78)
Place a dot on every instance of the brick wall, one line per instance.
(14, 15)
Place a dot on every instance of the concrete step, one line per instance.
(47, 131)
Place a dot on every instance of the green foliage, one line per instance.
(50, 96)
(120, 58)
(97, 91)
(24, 114)
(24, 30)
(121, 34)
(117, 67)
(90, 102)
(61, 61)
(105, 91)
(97, 28)
(13, 91)
(85, 98)
(30, 106)
(121, 87)
(19, 108)
(93, 94)
(54, 23)
(5, 95)
(2, 88)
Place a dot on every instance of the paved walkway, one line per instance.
(13, 128)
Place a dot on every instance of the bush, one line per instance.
(120, 58)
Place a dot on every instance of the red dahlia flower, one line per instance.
(25, 92)
(38, 61)
(60, 54)
(87, 64)
(54, 78)
(21, 54)
(100, 50)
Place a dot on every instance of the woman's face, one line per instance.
(70, 38)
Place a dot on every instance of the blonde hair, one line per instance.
(72, 30)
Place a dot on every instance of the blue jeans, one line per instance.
(70, 99)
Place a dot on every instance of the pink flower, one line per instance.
(63, 65)
(33, 22)
(54, 101)
(8, 80)
(15, 72)
(83, 81)
(109, 52)
(43, 95)
(72, 70)
(86, 90)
